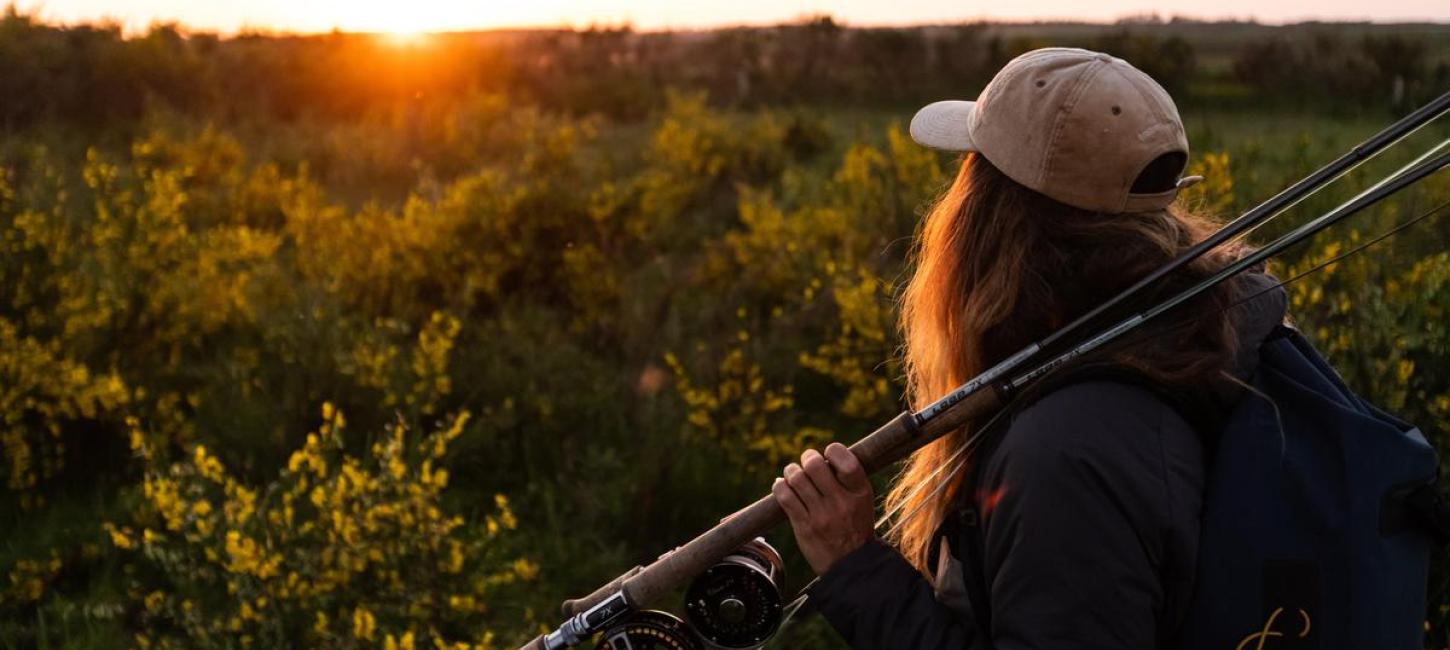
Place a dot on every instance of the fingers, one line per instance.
(797, 479)
(789, 502)
(847, 468)
(829, 502)
(820, 473)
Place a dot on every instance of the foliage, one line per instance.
(336, 551)
(646, 315)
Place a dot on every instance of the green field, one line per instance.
(412, 373)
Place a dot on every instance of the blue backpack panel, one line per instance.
(1309, 539)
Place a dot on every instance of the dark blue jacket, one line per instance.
(1089, 538)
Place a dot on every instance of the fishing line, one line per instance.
(1281, 211)
(1250, 260)
(950, 462)
(1233, 231)
(1151, 335)
(966, 447)
(1365, 192)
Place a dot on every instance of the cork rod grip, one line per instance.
(892, 442)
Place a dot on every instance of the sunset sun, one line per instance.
(404, 37)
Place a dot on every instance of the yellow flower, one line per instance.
(1403, 371)
(526, 569)
(119, 537)
(363, 624)
(455, 557)
(405, 643)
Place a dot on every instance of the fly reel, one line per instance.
(734, 605)
(649, 630)
(737, 603)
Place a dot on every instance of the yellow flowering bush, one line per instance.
(861, 346)
(111, 285)
(338, 550)
(1215, 193)
(735, 406)
(41, 389)
(28, 579)
(809, 277)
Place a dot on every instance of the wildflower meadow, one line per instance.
(383, 359)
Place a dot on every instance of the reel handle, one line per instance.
(892, 442)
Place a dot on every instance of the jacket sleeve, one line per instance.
(876, 599)
(1089, 509)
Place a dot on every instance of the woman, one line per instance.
(1072, 520)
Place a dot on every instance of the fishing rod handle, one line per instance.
(892, 442)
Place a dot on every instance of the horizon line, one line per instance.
(1140, 19)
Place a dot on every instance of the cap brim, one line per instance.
(944, 125)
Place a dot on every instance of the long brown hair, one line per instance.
(999, 266)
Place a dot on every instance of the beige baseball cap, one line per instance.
(1079, 126)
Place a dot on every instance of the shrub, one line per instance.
(337, 551)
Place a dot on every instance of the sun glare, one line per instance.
(405, 24)
(405, 37)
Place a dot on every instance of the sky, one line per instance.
(403, 16)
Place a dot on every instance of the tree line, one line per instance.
(94, 75)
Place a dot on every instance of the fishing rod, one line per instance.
(1402, 179)
(909, 431)
(1255, 217)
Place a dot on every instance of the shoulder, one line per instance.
(1112, 427)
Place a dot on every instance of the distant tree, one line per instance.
(1266, 63)
(1399, 61)
(887, 64)
(959, 59)
(813, 43)
(1171, 61)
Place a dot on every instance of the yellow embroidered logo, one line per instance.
(1263, 636)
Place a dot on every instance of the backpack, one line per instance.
(1320, 512)
(1310, 537)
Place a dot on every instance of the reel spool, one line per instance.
(736, 604)
(649, 630)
